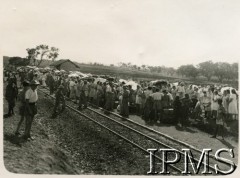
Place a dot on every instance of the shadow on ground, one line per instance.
(14, 139)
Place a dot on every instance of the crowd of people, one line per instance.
(153, 101)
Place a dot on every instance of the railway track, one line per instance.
(139, 135)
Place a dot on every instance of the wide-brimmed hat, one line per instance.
(34, 82)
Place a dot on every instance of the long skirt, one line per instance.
(124, 108)
(232, 108)
(109, 101)
(148, 110)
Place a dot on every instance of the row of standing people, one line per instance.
(105, 95)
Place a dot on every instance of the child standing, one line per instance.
(219, 119)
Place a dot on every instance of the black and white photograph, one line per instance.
(120, 87)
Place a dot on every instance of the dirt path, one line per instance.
(68, 144)
(38, 156)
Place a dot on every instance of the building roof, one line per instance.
(61, 61)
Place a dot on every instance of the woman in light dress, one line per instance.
(225, 101)
(233, 106)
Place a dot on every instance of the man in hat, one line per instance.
(22, 106)
(59, 100)
(31, 98)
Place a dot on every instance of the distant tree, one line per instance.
(18, 61)
(124, 65)
(222, 70)
(188, 71)
(134, 67)
(207, 69)
(129, 64)
(234, 71)
(181, 71)
(32, 55)
(171, 71)
(40, 52)
(159, 69)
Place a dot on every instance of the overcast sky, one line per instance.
(152, 32)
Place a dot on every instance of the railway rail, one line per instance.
(138, 135)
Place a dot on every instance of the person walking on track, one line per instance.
(59, 100)
(31, 98)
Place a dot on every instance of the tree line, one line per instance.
(221, 70)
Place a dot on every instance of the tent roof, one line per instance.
(61, 61)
